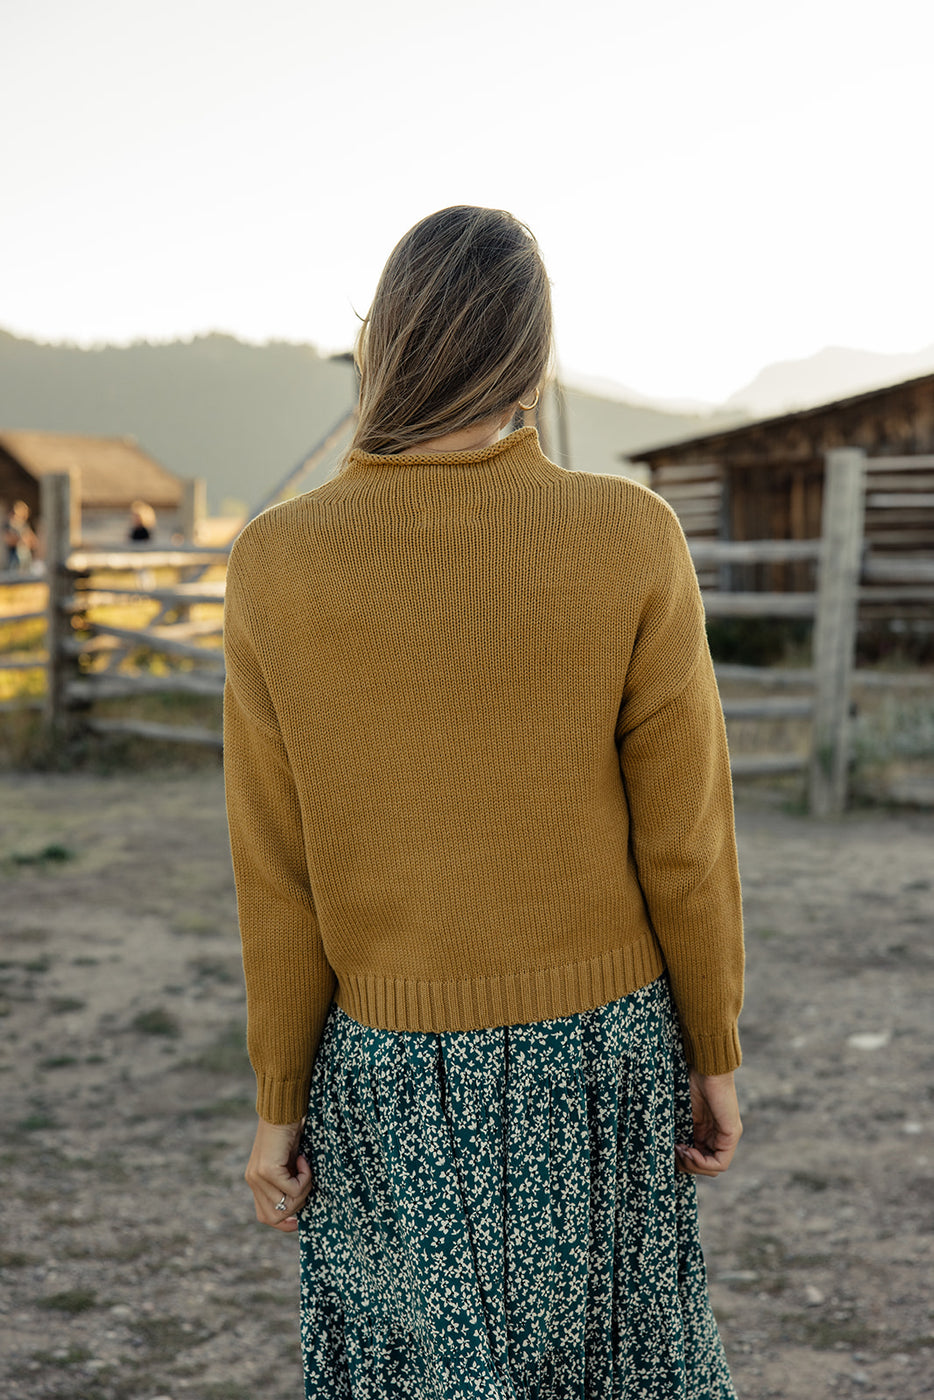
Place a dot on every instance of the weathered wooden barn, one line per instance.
(109, 473)
(764, 480)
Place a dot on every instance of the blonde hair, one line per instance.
(144, 513)
(459, 331)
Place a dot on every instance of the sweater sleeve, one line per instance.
(676, 772)
(289, 983)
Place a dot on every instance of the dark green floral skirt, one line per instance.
(497, 1214)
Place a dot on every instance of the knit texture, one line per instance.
(475, 759)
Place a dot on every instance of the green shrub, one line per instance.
(73, 1300)
(158, 1021)
(757, 641)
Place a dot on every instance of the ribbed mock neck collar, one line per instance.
(517, 458)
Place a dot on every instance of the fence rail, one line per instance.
(803, 676)
(791, 708)
(18, 580)
(760, 604)
(22, 617)
(120, 687)
(36, 662)
(753, 551)
(158, 640)
(145, 556)
(150, 729)
(895, 568)
(767, 765)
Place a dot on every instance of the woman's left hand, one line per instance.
(717, 1126)
(278, 1175)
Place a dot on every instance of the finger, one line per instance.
(271, 1184)
(715, 1143)
(707, 1159)
(285, 1223)
(285, 1220)
(287, 1227)
(298, 1187)
(302, 1177)
(692, 1169)
(280, 1200)
(699, 1163)
(287, 1203)
(293, 1182)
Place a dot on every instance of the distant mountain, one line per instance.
(833, 373)
(602, 388)
(241, 415)
(602, 430)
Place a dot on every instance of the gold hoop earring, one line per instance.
(527, 407)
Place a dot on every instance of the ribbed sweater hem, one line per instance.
(462, 1004)
(471, 1003)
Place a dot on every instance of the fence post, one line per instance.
(57, 524)
(193, 507)
(835, 627)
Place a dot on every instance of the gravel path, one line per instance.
(131, 1266)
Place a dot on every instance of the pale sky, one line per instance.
(715, 184)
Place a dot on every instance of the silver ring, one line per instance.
(280, 1205)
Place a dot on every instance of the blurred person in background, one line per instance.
(19, 538)
(142, 525)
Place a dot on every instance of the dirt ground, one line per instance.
(131, 1266)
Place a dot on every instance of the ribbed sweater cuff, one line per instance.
(713, 1054)
(281, 1100)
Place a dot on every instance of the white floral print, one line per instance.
(497, 1216)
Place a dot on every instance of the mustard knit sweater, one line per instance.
(475, 759)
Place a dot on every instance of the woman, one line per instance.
(481, 824)
(19, 538)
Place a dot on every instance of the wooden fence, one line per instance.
(77, 584)
(84, 655)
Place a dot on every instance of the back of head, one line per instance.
(459, 330)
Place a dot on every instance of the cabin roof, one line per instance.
(113, 471)
(804, 416)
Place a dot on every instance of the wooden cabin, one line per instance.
(110, 473)
(764, 480)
